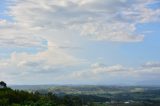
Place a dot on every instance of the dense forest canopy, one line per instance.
(9, 97)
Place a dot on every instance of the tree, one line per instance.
(3, 84)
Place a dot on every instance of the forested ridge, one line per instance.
(9, 97)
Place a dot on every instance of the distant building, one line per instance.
(127, 102)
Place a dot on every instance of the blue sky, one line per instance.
(80, 42)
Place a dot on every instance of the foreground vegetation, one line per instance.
(9, 97)
(80, 96)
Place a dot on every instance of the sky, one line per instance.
(95, 42)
